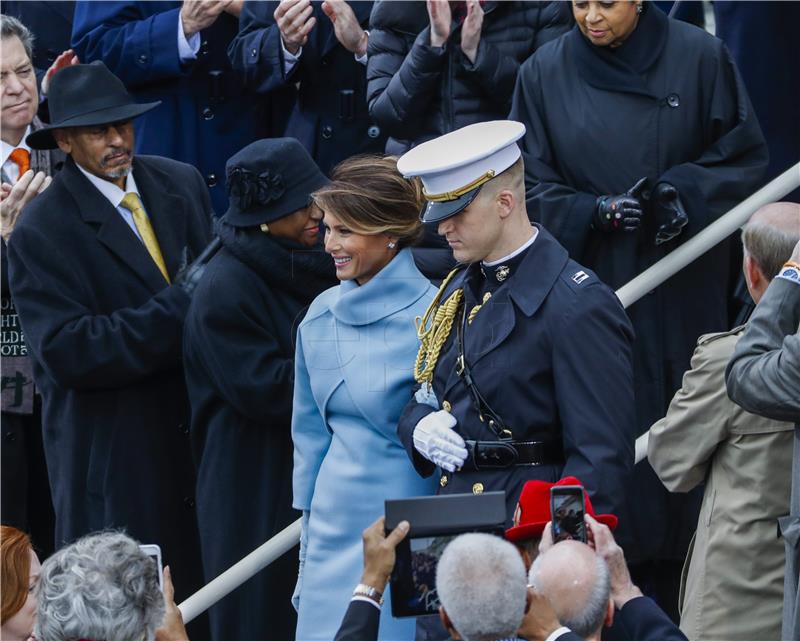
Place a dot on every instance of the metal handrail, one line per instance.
(648, 280)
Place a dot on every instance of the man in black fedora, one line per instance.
(95, 270)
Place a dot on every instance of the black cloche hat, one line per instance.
(86, 95)
(270, 179)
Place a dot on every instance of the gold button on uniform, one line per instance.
(446, 406)
(443, 480)
(477, 488)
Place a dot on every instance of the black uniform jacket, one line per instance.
(239, 364)
(668, 105)
(551, 354)
(330, 115)
(104, 330)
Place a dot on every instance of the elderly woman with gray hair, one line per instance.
(104, 588)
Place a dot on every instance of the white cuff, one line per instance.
(289, 59)
(557, 634)
(362, 60)
(187, 49)
(366, 600)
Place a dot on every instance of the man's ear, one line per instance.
(448, 624)
(505, 202)
(609, 620)
(752, 273)
(63, 141)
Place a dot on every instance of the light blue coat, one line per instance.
(354, 375)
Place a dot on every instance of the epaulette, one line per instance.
(705, 339)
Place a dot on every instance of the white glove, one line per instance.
(435, 439)
(303, 544)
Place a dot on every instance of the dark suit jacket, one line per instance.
(641, 619)
(104, 330)
(360, 622)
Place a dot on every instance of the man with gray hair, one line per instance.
(576, 581)
(481, 584)
(732, 588)
(104, 586)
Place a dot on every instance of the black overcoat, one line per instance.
(669, 105)
(239, 364)
(105, 331)
(330, 115)
(551, 353)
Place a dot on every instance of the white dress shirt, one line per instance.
(11, 168)
(114, 195)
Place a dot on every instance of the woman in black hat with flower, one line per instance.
(239, 362)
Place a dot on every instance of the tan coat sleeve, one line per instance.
(682, 443)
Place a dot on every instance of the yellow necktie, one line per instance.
(132, 203)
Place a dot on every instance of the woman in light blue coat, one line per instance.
(353, 376)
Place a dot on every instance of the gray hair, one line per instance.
(481, 584)
(100, 587)
(585, 613)
(771, 235)
(10, 26)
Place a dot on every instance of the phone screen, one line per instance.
(567, 508)
(153, 552)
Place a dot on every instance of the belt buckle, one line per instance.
(492, 455)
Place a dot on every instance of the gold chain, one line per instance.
(433, 329)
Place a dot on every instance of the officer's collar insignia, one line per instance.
(499, 274)
(579, 277)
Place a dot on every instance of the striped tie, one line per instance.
(132, 203)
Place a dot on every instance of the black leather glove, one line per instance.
(190, 274)
(668, 211)
(620, 213)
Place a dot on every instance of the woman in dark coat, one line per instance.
(630, 94)
(239, 363)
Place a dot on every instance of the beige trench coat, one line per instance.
(732, 584)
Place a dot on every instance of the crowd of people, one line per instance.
(265, 261)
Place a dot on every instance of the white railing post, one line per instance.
(237, 574)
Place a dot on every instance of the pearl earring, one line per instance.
(264, 228)
(392, 245)
(638, 8)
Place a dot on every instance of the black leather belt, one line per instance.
(494, 455)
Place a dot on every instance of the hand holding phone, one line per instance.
(567, 508)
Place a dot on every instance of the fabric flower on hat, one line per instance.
(254, 189)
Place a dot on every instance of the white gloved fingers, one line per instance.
(446, 465)
(454, 461)
(451, 449)
(451, 437)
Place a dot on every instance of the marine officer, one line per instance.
(525, 357)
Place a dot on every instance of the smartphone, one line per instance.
(153, 551)
(567, 508)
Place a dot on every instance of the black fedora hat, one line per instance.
(270, 179)
(85, 95)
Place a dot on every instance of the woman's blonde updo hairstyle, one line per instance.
(371, 197)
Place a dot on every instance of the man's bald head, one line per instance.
(576, 582)
(769, 238)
